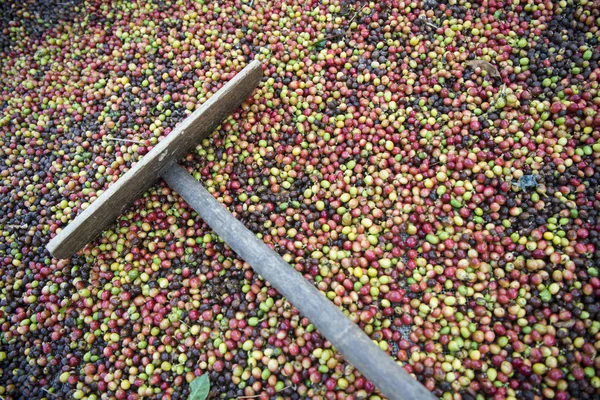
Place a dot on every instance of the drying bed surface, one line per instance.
(432, 167)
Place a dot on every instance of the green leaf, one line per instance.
(199, 388)
(319, 44)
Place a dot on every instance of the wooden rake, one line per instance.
(356, 347)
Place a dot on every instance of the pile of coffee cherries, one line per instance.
(432, 167)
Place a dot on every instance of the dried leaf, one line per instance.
(565, 324)
(484, 65)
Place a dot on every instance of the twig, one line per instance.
(503, 90)
(331, 36)
(429, 24)
(340, 33)
(495, 100)
(355, 15)
(50, 393)
(258, 395)
(250, 397)
(125, 140)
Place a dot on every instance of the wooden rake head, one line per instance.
(183, 139)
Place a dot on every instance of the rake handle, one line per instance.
(356, 347)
